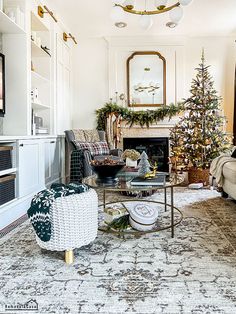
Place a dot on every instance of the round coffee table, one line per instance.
(124, 185)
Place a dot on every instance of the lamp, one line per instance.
(145, 21)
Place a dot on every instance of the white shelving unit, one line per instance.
(41, 72)
(38, 52)
(7, 26)
(39, 106)
(8, 171)
(38, 79)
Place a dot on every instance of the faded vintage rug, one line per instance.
(193, 273)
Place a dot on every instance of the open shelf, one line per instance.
(38, 51)
(7, 26)
(38, 79)
(7, 171)
(39, 106)
(37, 24)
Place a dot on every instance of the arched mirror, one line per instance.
(146, 79)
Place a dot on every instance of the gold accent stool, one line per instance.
(41, 12)
(69, 257)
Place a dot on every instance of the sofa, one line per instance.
(229, 179)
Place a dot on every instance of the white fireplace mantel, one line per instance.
(161, 129)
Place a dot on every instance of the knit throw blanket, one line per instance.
(39, 211)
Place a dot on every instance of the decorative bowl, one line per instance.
(106, 173)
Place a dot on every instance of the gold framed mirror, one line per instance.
(146, 79)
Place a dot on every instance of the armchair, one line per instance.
(78, 158)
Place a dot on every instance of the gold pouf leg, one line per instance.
(69, 257)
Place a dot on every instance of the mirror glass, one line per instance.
(146, 74)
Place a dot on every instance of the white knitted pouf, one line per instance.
(74, 221)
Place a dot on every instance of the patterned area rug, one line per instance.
(193, 273)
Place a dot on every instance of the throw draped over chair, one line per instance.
(79, 154)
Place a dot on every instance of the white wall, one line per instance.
(90, 81)
(100, 70)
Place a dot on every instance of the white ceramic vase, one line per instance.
(131, 163)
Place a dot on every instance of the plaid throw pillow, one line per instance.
(97, 148)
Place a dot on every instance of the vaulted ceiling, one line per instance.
(201, 18)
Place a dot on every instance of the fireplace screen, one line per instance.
(157, 150)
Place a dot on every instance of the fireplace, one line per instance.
(157, 149)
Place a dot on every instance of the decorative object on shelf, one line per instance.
(144, 165)
(121, 7)
(107, 169)
(112, 213)
(141, 117)
(143, 217)
(199, 136)
(131, 156)
(41, 12)
(35, 95)
(146, 79)
(69, 36)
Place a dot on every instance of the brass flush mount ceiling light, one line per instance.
(121, 7)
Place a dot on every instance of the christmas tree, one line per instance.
(199, 136)
(144, 165)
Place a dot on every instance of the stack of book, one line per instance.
(158, 180)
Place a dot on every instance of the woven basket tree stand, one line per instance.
(196, 175)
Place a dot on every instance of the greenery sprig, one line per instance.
(141, 117)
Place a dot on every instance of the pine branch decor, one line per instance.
(141, 117)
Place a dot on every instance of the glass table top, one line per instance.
(124, 182)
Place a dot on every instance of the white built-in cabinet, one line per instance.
(39, 159)
(29, 67)
(38, 162)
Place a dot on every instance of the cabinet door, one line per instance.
(63, 82)
(55, 160)
(52, 160)
(30, 165)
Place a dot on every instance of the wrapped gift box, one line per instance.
(111, 213)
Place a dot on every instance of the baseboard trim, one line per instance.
(13, 225)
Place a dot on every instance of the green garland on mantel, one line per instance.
(141, 117)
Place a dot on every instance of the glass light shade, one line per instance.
(145, 22)
(184, 2)
(160, 4)
(176, 14)
(117, 14)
